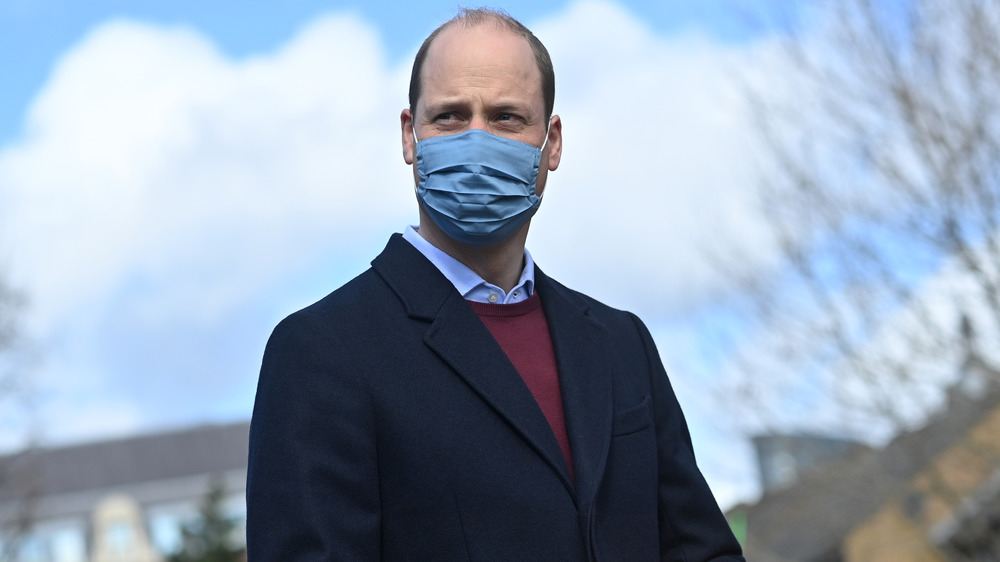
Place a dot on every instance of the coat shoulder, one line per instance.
(348, 299)
(597, 310)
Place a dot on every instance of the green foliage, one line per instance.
(211, 537)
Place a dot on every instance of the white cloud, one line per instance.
(657, 169)
(151, 156)
(162, 187)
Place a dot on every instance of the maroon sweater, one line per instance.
(523, 333)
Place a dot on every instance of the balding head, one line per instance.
(501, 20)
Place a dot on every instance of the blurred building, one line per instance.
(122, 500)
(782, 458)
(929, 495)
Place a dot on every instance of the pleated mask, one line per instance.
(479, 188)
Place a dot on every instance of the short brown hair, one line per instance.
(479, 16)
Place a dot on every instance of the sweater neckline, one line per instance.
(527, 306)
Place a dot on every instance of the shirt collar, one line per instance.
(467, 282)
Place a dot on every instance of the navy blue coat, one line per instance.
(390, 425)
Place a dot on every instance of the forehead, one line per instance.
(485, 57)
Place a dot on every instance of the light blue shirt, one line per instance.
(468, 283)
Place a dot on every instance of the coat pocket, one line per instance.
(632, 419)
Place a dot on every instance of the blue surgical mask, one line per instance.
(478, 188)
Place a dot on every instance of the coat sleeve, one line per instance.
(312, 484)
(691, 526)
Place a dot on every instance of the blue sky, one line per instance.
(175, 177)
(34, 34)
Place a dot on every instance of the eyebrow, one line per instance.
(462, 103)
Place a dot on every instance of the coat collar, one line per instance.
(457, 335)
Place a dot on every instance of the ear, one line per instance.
(409, 142)
(554, 146)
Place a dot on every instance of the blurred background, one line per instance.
(801, 201)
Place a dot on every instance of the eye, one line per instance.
(446, 116)
(510, 122)
(448, 121)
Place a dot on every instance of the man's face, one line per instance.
(483, 78)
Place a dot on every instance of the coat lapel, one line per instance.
(464, 343)
(585, 376)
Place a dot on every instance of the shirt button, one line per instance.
(494, 297)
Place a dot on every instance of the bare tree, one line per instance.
(881, 184)
(18, 491)
(11, 304)
(883, 192)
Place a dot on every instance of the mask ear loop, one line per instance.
(547, 129)
(542, 150)
(416, 180)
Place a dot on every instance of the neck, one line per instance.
(500, 264)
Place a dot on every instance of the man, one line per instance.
(453, 402)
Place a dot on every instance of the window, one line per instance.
(55, 541)
(165, 522)
(119, 536)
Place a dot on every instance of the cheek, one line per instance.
(543, 174)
